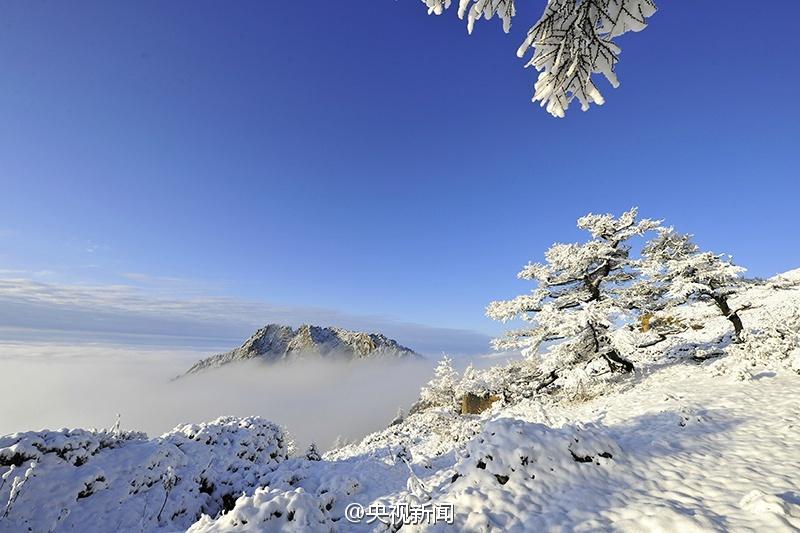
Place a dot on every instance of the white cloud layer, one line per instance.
(177, 313)
(54, 386)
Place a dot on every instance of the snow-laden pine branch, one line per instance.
(572, 41)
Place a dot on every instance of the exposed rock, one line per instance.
(473, 404)
(275, 342)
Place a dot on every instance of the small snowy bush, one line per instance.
(472, 382)
(109, 480)
(515, 381)
(773, 345)
(269, 510)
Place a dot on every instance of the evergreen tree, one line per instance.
(686, 273)
(582, 291)
(472, 382)
(312, 454)
(440, 391)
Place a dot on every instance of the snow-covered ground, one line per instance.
(685, 444)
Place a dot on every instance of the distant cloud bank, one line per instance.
(172, 313)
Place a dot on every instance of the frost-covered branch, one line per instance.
(572, 41)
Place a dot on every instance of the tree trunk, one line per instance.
(614, 356)
(738, 327)
(546, 382)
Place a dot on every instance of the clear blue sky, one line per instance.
(364, 157)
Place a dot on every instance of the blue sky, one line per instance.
(362, 159)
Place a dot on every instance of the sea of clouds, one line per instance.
(47, 385)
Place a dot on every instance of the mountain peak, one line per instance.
(277, 342)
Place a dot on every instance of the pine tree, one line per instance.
(312, 454)
(573, 40)
(472, 382)
(440, 391)
(582, 291)
(688, 274)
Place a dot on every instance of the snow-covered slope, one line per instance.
(702, 437)
(275, 342)
(686, 444)
(682, 451)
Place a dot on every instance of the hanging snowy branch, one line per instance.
(475, 9)
(571, 42)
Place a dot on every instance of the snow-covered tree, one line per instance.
(582, 292)
(312, 453)
(472, 382)
(440, 391)
(687, 274)
(398, 417)
(573, 40)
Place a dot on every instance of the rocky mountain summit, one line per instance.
(275, 342)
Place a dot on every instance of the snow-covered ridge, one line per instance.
(275, 342)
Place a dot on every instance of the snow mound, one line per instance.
(791, 275)
(269, 510)
(513, 465)
(90, 480)
(785, 513)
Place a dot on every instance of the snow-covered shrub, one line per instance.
(440, 391)
(270, 510)
(517, 380)
(472, 382)
(398, 417)
(779, 337)
(73, 446)
(584, 383)
(90, 480)
(774, 344)
(584, 292)
(433, 432)
(696, 351)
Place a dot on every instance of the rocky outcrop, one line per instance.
(275, 342)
